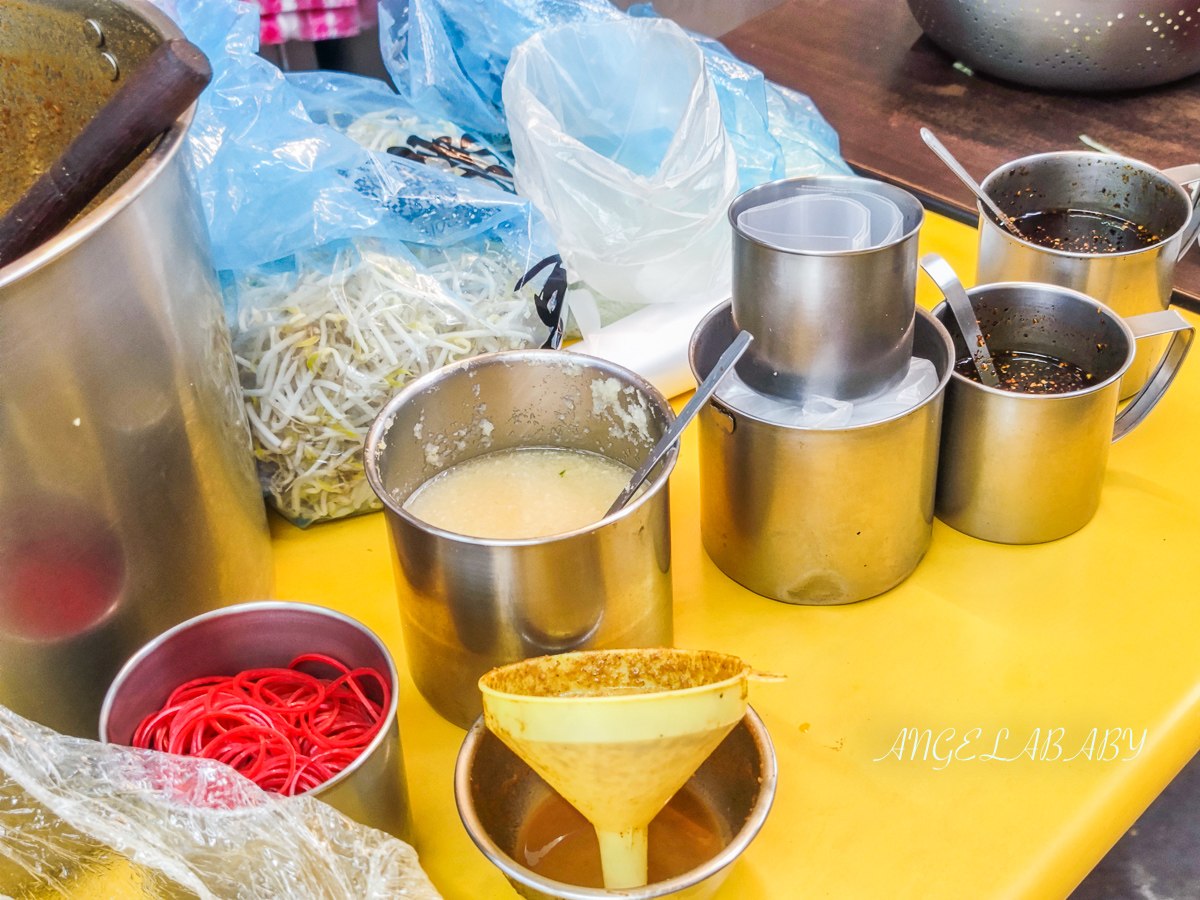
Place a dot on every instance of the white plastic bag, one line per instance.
(652, 341)
(617, 135)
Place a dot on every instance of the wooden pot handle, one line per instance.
(144, 107)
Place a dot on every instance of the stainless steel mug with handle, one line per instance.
(1019, 468)
(1130, 283)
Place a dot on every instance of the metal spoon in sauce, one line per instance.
(707, 387)
(953, 165)
(964, 313)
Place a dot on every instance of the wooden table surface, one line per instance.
(877, 79)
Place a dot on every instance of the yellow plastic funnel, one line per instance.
(617, 733)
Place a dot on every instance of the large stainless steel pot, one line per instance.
(128, 499)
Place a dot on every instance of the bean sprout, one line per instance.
(322, 348)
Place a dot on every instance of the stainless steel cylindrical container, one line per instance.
(816, 516)
(1131, 283)
(838, 323)
(128, 496)
(1025, 468)
(496, 794)
(468, 605)
(372, 789)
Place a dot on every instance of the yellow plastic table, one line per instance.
(987, 729)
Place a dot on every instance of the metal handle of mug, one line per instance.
(1148, 325)
(1188, 176)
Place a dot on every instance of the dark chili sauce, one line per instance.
(1084, 231)
(1031, 373)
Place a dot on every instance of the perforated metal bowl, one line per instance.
(1076, 45)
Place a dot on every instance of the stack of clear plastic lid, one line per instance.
(828, 413)
(823, 220)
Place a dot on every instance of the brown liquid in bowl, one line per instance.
(558, 843)
(53, 79)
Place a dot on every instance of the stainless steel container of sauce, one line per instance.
(1132, 282)
(497, 794)
(468, 604)
(818, 516)
(1022, 468)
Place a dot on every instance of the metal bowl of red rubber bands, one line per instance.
(299, 699)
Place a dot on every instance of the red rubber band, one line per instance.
(286, 730)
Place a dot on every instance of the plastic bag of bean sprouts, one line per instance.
(324, 337)
(83, 819)
(346, 272)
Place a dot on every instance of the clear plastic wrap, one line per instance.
(83, 819)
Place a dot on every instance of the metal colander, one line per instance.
(1078, 45)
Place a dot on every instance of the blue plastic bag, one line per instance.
(370, 113)
(346, 272)
(776, 132)
(448, 57)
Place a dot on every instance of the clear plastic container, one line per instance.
(818, 412)
(825, 220)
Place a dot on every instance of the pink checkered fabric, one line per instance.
(275, 7)
(313, 20)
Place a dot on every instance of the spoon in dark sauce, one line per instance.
(1024, 372)
(956, 167)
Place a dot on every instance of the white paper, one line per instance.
(652, 342)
